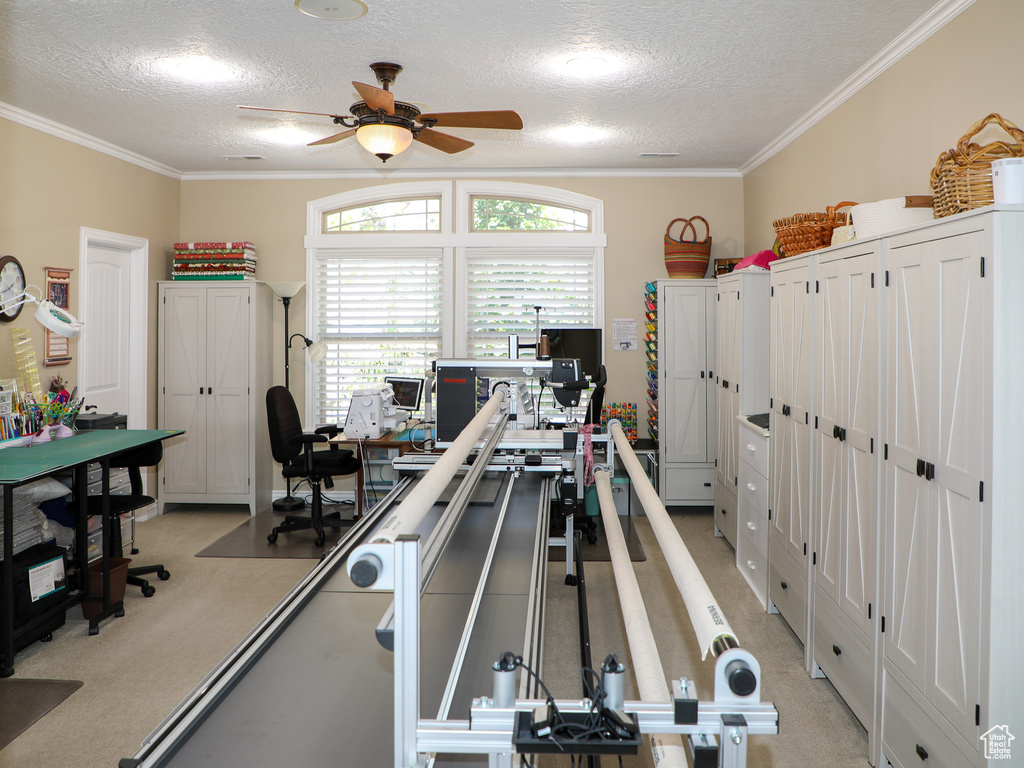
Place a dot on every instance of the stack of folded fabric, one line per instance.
(232, 260)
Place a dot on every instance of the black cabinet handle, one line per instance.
(725, 384)
(921, 752)
(702, 374)
(837, 650)
(920, 467)
(842, 434)
(835, 431)
(784, 585)
(929, 471)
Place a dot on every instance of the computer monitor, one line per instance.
(408, 392)
(583, 344)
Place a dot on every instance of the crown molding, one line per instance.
(925, 27)
(464, 173)
(20, 116)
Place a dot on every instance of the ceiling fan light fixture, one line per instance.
(333, 10)
(385, 140)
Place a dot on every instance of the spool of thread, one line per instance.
(544, 350)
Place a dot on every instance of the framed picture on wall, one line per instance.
(58, 283)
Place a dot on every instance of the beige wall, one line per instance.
(884, 141)
(272, 214)
(51, 188)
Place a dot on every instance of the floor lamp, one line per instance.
(286, 292)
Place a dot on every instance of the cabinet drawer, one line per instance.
(754, 527)
(752, 489)
(753, 449)
(725, 512)
(752, 560)
(844, 659)
(686, 484)
(787, 588)
(910, 739)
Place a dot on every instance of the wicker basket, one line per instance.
(810, 231)
(687, 258)
(962, 177)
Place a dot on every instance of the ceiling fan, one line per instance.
(386, 127)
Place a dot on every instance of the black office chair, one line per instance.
(293, 449)
(133, 461)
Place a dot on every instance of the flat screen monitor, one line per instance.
(408, 392)
(583, 344)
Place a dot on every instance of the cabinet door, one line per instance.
(228, 387)
(183, 369)
(959, 364)
(683, 404)
(860, 457)
(830, 391)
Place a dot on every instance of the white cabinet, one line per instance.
(741, 383)
(790, 472)
(952, 523)
(752, 508)
(686, 360)
(847, 458)
(214, 371)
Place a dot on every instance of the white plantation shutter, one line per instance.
(379, 312)
(504, 284)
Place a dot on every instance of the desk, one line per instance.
(394, 440)
(19, 466)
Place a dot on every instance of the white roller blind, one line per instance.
(379, 312)
(504, 284)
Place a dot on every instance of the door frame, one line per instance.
(137, 249)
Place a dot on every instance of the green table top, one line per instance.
(19, 464)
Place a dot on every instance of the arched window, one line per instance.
(406, 273)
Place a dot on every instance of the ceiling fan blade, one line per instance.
(293, 112)
(332, 139)
(442, 141)
(376, 98)
(499, 118)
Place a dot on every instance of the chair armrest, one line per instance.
(331, 430)
(308, 438)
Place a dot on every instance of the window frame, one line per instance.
(454, 238)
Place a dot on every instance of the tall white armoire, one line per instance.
(214, 369)
(686, 406)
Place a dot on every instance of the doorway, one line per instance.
(113, 306)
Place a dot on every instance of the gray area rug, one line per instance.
(250, 538)
(598, 551)
(22, 702)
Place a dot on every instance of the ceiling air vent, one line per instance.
(244, 157)
(658, 155)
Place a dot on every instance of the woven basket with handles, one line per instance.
(687, 258)
(804, 232)
(962, 177)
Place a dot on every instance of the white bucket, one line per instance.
(1008, 180)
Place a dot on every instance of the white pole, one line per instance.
(650, 675)
(708, 620)
(418, 503)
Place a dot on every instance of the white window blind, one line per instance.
(379, 312)
(504, 284)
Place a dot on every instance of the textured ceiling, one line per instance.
(712, 80)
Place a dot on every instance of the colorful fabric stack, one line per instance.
(232, 260)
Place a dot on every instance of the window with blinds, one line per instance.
(379, 312)
(503, 285)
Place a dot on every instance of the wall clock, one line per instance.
(12, 285)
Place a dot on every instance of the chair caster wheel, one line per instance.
(163, 575)
(319, 541)
(118, 614)
(148, 590)
(6, 671)
(592, 538)
(94, 630)
(571, 581)
(272, 537)
(46, 638)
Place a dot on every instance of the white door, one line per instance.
(113, 307)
